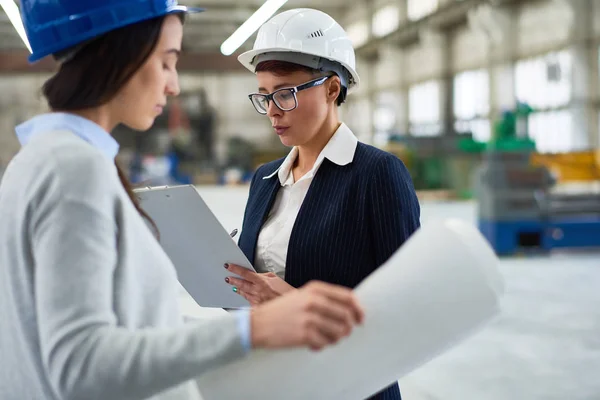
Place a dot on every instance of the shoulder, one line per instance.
(67, 166)
(375, 161)
(71, 154)
(268, 168)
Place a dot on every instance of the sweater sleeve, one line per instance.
(85, 353)
(394, 207)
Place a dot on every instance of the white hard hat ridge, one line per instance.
(304, 31)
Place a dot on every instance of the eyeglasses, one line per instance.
(285, 99)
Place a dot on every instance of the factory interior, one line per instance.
(493, 106)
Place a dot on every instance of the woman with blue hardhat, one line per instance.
(88, 299)
(334, 209)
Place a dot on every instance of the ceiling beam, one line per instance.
(214, 62)
(238, 14)
(15, 62)
(255, 4)
(220, 30)
(202, 33)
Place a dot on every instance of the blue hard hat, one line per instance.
(56, 25)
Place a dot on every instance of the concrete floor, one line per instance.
(545, 345)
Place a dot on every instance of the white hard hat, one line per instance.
(304, 31)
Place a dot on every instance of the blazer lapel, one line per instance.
(261, 205)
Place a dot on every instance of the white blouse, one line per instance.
(272, 243)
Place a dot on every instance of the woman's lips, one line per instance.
(281, 129)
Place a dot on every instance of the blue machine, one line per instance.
(509, 238)
(519, 210)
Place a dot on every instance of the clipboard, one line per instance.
(196, 243)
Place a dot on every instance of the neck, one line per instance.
(99, 115)
(308, 152)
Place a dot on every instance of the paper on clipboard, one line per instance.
(196, 243)
(441, 287)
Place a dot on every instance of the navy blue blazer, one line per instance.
(353, 218)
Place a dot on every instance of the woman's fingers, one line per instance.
(332, 311)
(316, 340)
(243, 272)
(253, 300)
(242, 285)
(245, 289)
(332, 330)
(340, 295)
(310, 316)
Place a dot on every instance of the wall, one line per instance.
(20, 99)
(228, 94)
(536, 28)
(525, 31)
(469, 50)
(543, 27)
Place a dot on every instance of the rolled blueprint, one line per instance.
(437, 290)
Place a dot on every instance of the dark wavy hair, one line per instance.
(93, 74)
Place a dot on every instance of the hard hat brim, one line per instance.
(247, 57)
(184, 9)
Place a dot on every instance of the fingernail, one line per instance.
(235, 289)
(227, 280)
(226, 266)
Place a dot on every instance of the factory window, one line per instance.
(481, 128)
(424, 109)
(356, 115)
(358, 33)
(386, 20)
(552, 131)
(388, 116)
(544, 83)
(418, 9)
(472, 104)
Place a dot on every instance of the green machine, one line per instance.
(511, 133)
(449, 161)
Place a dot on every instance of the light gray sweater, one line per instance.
(88, 299)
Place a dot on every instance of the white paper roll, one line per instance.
(437, 290)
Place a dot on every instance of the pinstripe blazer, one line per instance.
(353, 218)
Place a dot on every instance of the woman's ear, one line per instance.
(334, 88)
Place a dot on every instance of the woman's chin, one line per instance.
(287, 141)
(141, 124)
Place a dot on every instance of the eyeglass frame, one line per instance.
(307, 85)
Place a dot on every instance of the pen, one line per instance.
(233, 233)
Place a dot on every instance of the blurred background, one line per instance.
(441, 79)
(493, 105)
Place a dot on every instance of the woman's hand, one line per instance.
(254, 287)
(315, 316)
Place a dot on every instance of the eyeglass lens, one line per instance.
(284, 99)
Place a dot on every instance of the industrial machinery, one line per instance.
(577, 166)
(520, 208)
(521, 205)
(438, 163)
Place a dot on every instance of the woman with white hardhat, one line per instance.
(88, 299)
(334, 209)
